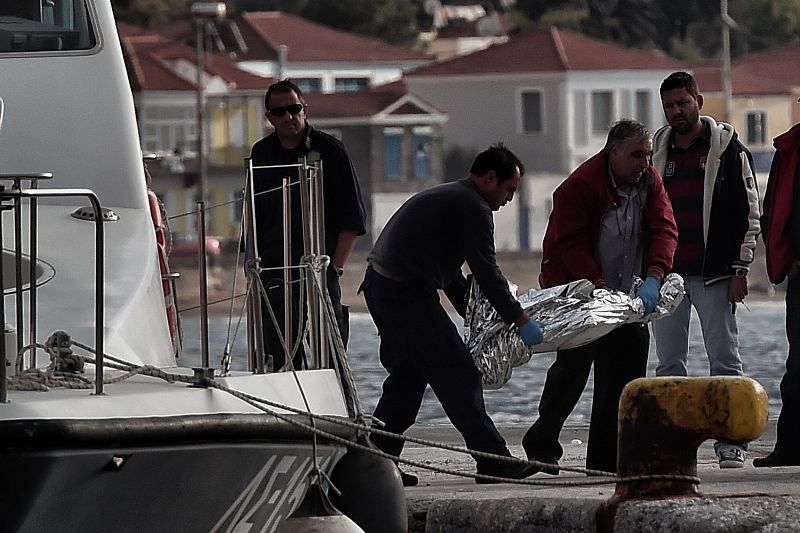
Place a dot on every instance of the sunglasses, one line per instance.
(280, 111)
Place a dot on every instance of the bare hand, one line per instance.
(737, 289)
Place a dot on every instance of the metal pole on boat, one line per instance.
(32, 297)
(255, 330)
(33, 235)
(202, 259)
(287, 271)
(319, 214)
(312, 295)
(99, 304)
(3, 356)
(18, 270)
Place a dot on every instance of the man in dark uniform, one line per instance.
(345, 217)
(422, 249)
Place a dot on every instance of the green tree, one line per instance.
(536, 9)
(764, 23)
(147, 13)
(391, 20)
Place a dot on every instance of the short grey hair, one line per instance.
(624, 131)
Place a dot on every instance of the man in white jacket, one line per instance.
(709, 177)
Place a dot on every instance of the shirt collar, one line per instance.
(703, 137)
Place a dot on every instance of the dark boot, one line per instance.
(777, 458)
(508, 470)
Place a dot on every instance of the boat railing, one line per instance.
(309, 181)
(11, 199)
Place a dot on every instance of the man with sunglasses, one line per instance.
(345, 218)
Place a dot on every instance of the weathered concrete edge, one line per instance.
(550, 515)
(711, 514)
(502, 514)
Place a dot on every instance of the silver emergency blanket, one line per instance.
(572, 315)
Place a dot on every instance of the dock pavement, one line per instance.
(732, 500)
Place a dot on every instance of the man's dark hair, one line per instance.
(283, 86)
(680, 80)
(500, 159)
(624, 131)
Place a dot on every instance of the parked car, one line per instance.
(185, 245)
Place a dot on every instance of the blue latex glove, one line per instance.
(531, 332)
(648, 292)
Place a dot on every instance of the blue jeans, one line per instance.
(720, 333)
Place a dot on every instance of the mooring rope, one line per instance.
(41, 380)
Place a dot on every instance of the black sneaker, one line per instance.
(409, 480)
(777, 458)
(505, 470)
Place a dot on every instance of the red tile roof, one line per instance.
(264, 32)
(547, 50)
(744, 82)
(365, 103)
(147, 57)
(780, 64)
(772, 71)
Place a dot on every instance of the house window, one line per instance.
(643, 107)
(308, 85)
(164, 129)
(350, 84)
(393, 153)
(756, 127)
(422, 152)
(532, 112)
(601, 111)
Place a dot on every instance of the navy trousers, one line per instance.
(618, 357)
(273, 283)
(421, 346)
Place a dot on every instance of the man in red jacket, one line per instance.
(781, 232)
(611, 221)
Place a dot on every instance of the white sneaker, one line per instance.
(731, 456)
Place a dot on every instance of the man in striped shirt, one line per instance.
(709, 178)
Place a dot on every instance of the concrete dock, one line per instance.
(733, 500)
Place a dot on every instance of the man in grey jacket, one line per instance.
(709, 177)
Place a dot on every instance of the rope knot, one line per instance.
(59, 346)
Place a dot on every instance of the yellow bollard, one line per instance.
(662, 421)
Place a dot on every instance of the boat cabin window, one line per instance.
(45, 26)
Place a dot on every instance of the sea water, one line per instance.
(762, 344)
